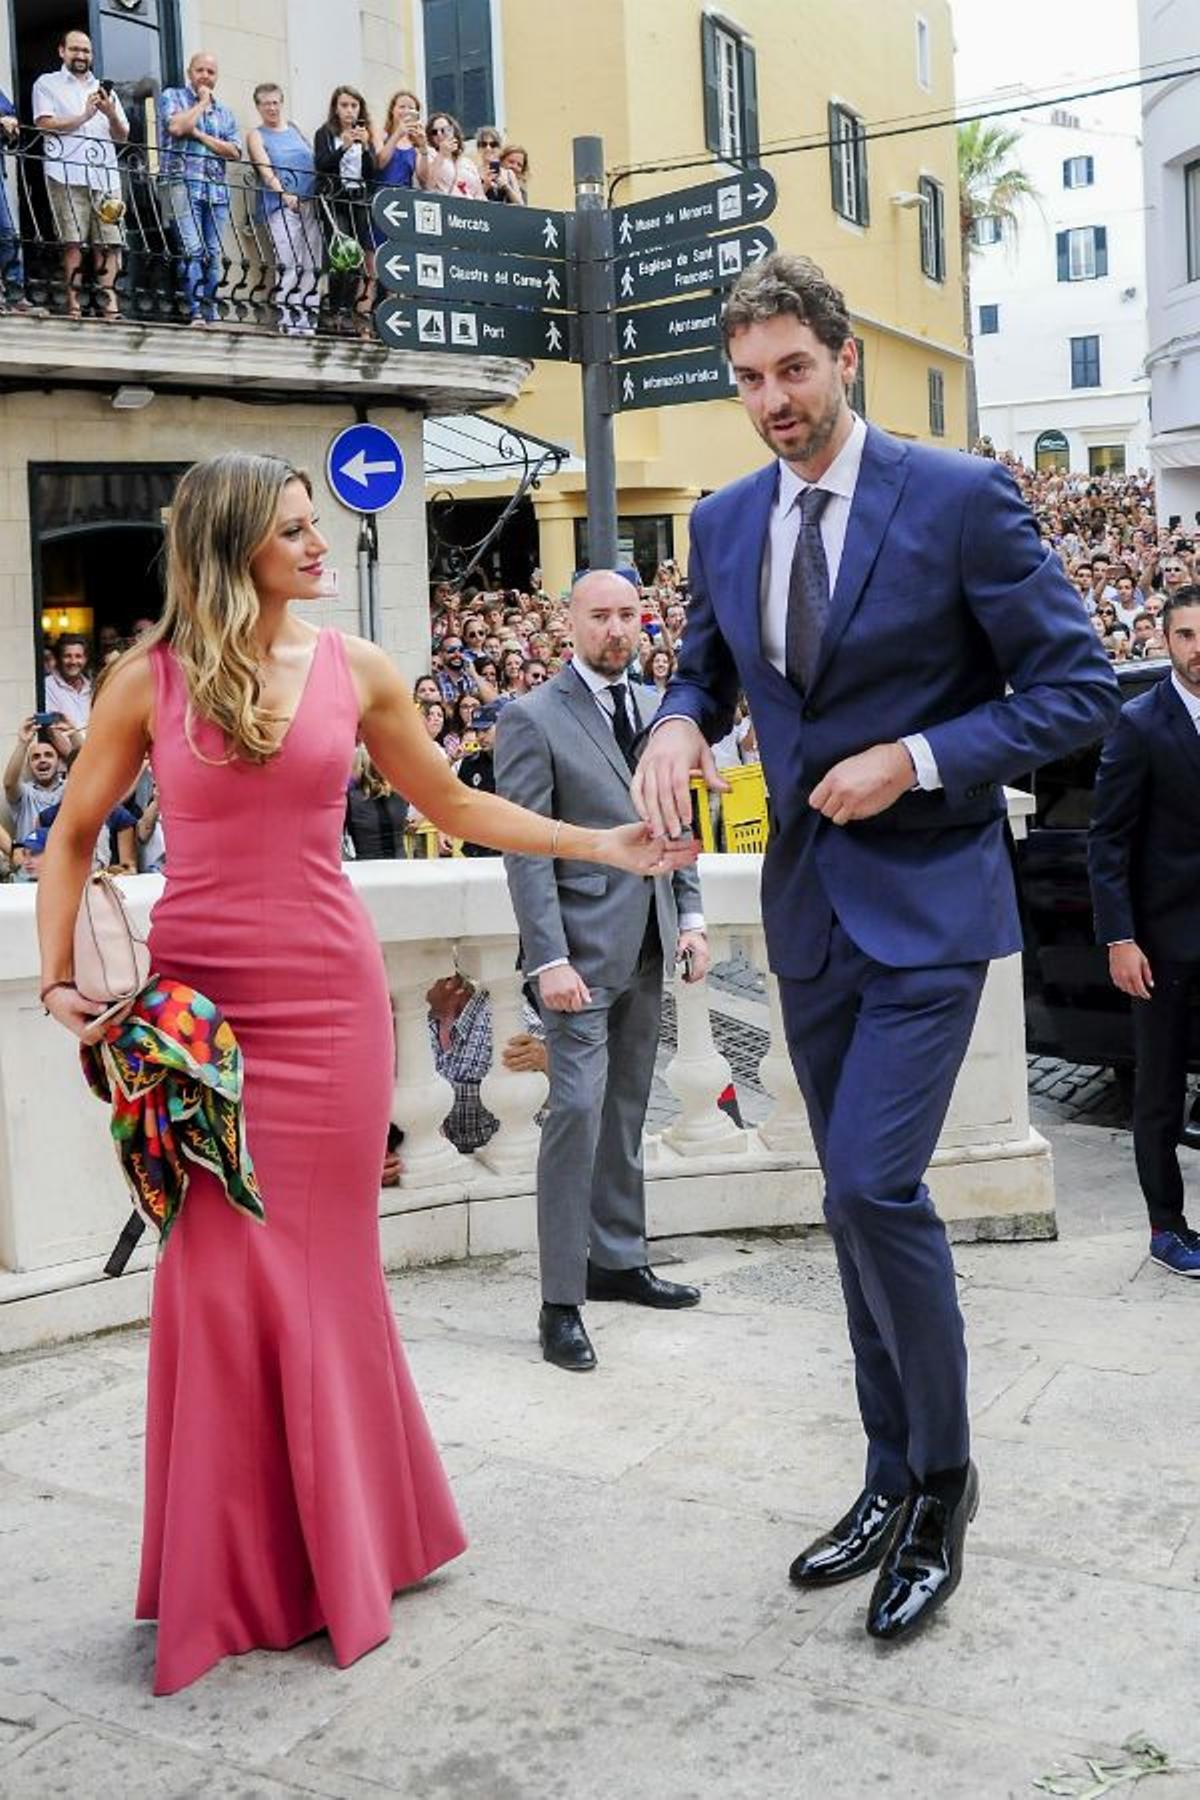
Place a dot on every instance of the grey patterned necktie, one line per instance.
(808, 590)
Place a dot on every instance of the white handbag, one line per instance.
(111, 962)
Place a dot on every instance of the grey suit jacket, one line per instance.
(556, 754)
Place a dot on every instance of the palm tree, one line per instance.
(990, 186)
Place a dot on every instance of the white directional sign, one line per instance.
(686, 268)
(714, 206)
(472, 330)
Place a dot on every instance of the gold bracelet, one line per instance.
(554, 837)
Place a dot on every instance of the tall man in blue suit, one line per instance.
(1144, 864)
(906, 646)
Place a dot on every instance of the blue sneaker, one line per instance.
(1178, 1251)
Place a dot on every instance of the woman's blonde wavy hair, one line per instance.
(223, 513)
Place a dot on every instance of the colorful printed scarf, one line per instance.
(172, 1071)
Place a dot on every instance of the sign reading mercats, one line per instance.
(409, 217)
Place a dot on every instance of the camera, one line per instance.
(107, 89)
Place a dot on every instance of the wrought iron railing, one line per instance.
(164, 250)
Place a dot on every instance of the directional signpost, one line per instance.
(460, 272)
(430, 219)
(473, 330)
(716, 206)
(674, 381)
(685, 268)
(659, 330)
(472, 278)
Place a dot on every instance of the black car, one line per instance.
(1072, 1009)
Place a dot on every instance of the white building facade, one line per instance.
(1059, 305)
(1171, 149)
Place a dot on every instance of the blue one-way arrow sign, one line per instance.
(365, 468)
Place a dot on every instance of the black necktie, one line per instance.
(808, 590)
(622, 722)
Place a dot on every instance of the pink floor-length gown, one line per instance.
(292, 1484)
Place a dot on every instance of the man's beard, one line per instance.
(819, 437)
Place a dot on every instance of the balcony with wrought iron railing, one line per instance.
(181, 292)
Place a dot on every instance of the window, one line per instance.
(1079, 171)
(730, 92)
(856, 393)
(1085, 362)
(1082, 254)
(458, 61)
(1051, 452)
(1106, 459)
(937, 403)
(924, 78)
(848, 164)
(642, 541)
(1191, 201)
(989, 321)
(933, 228)
(985, 230)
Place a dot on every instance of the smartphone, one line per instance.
(494, 167)
(41, 720)
(684, 960)
(106, 87)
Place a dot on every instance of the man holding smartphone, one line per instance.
(36, 772)
(83, 122)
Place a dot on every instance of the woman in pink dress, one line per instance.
(292, 1485)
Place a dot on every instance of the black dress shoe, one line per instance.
(855, 1544)
(924, 1565)
(641, 1287)
(564, 1341)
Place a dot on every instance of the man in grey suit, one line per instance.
(594, 943)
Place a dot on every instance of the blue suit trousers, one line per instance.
(876, 1051)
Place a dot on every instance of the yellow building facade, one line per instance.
(636, 76)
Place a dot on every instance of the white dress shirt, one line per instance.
(840, 479)
(600, 687)
(87, 156)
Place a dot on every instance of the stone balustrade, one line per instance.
(62, 1199)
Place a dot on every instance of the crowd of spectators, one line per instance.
(1120, 559)
(161, 179)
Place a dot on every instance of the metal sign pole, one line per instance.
(597, 308)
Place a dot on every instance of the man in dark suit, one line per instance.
(906, 645)
(1144, 865)
(593, 943)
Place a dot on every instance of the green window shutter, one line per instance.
(712, 95)
(749, 75)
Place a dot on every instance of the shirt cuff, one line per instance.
(692, 922)
(559, 962)
(923, 761)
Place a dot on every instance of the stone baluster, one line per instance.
(697, 1075)
(786, 1129)
(513, 1097)
(421, 1098)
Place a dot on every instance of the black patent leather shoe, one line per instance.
(564, 1341)
(641, 1287)
(854, 1545)
(924, 1566)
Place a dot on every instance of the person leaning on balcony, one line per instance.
(283, 161)
(344, 152)
(83, 122)
(449, 170)
(12, 274)
(198, 136)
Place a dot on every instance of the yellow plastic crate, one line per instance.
(743, 811)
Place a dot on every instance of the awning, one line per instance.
(470, 447)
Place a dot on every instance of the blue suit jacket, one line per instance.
(1144, 842)
(947, 618)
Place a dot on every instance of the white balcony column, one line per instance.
(421, 1098)
(698, 1074)
(513, 1097)
(786, 1130)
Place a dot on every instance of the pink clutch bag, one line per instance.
(111, 962)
